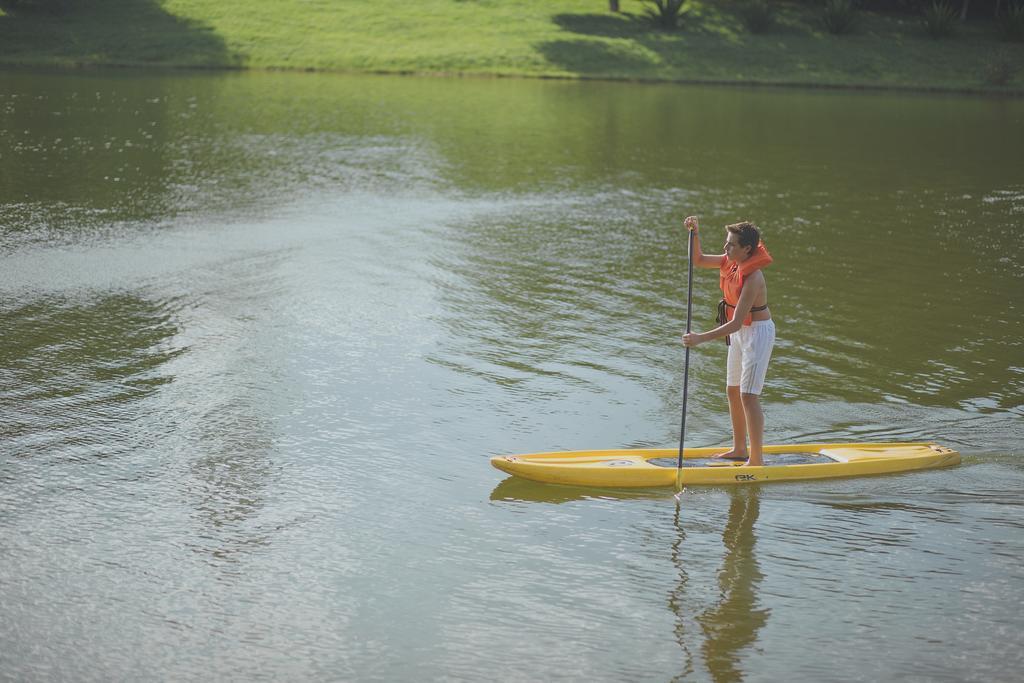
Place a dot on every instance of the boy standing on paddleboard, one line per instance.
(746, 324)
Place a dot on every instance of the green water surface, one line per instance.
(260, 334)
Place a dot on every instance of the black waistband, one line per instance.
(722, 318)
(753, 309)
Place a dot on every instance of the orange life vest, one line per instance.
(732, 274)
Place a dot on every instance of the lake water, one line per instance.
(260, 334)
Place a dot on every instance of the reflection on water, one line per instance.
(523, 490)
(229, 479)
(259, 334)
(735, 621)
(678, 603)
(71, 362)
(736, 616)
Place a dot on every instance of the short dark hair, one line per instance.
(748, 233)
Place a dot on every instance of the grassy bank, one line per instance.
(538, 38)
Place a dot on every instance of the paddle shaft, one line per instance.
(686, 362)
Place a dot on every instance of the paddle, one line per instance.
(686, 363)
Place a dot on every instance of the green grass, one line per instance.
(539, 38)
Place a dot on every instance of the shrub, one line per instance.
(666, 13)
(999, 69)
(1011, 24)
(940, 19)
(55, 7)
(839, 16)
(758, 15)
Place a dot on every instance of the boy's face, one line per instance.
(733, 249)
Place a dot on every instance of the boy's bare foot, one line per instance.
(731, 454)
(754, 463)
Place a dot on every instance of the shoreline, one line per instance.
(980, 91)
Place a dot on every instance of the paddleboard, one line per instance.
(629, 468)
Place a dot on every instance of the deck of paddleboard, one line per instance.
(657, 467)
(770, 460)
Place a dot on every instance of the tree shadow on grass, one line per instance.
(591, 56)
(606, 25)
(107, 32)
(602, 44)
(711, 40)
(622, 44)
(725, 25)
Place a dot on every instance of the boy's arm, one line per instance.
(753, 286)
(700, 259)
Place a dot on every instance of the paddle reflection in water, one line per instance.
(517, 489)
(733, 622)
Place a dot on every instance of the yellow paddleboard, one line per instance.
(657, 467)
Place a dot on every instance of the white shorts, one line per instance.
(749, 353)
